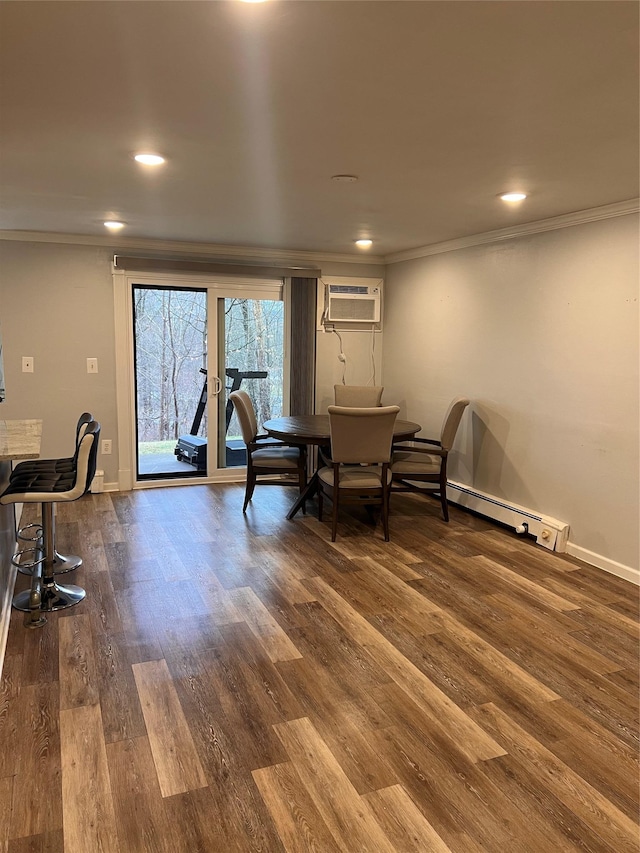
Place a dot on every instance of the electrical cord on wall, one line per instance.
(372, 381)
(341, 356)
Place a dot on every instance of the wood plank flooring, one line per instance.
(240, 683)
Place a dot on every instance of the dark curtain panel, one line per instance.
(303, 345)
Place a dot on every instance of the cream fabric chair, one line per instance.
(365, 396)
(266, 455)
(359, 466)
(427, 465)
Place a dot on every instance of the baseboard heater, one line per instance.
(548, 532)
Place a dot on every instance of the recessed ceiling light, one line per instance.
(344, 179)
(113, 225)
(253, 1)
(513, 196)
(364, 243)
(149, 159)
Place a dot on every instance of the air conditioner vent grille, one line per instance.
(349, 288)
(354, 310)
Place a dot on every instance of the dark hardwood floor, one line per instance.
(239, 683)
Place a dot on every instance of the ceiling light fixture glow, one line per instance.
(113, 225)
(365, 243)
(513, 196)
(149, 159)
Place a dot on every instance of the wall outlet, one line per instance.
(106, 446)
(92, 365)
(27, 364)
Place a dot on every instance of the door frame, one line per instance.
(217, 286)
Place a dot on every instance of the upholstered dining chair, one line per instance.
(358, 469)
(266, 455)
(365, 396)
(424, 468)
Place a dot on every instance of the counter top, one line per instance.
(20, 439)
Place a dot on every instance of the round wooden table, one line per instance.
(314, 429)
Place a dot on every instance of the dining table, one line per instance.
(315, 430)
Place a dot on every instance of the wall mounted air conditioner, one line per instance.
(353, 303)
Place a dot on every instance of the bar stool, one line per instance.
(32, 533)
(30, 466)
(49, 488)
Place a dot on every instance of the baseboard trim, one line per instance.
(627, 573)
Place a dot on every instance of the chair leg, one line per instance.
(334, 516)
(320, 503)
(248, 494)
(251, 482)
(385, 512)
(443, 494)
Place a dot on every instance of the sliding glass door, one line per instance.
(192, 347)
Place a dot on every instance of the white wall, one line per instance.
(56, 304)
(363, 365)
(541, 332)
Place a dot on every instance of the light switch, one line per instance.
(27, 364)
(92, 365)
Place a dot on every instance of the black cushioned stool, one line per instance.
(32, 533)
(49, 488)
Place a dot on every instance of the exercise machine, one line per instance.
(192, 448)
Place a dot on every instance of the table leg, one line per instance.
(308, 492)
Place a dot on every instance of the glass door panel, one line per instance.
(251, 358)
(170, 356)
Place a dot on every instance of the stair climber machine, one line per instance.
(192, 448)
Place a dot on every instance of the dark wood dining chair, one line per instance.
(421, 464)
(358, 469)
(266, 456)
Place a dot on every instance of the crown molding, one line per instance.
(293, 257)
(282, 257)
(580, 217)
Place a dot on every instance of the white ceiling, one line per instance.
(436, 106)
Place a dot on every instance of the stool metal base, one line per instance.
(62, 564)
(53, 596)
